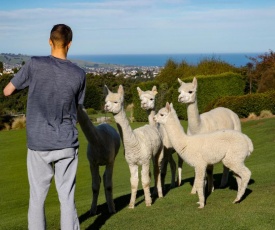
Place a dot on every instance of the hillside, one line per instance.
(17, 59)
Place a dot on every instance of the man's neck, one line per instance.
(59, 53)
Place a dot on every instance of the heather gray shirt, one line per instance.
(56, 87)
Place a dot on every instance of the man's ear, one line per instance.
(69, 45)
(50, 42)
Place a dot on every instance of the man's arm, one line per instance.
(9, 89)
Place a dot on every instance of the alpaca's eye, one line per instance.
(116, 102)
(190, 92)
(151, 99)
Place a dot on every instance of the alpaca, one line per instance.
(140, 145)
(103, 145)
(147, 99)
(229, 146)
(216, 119)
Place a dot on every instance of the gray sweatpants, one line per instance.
(42, 166)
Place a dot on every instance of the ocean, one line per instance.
(235, 59)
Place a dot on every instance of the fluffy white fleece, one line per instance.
(140, 146)
(147, 102)
(228, 146)
(216, 119)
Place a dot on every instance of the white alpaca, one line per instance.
(103, 145)
(216, 119)
(139, 146)
(229, 146)
(147, 99)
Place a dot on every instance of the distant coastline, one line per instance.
(139, 60)
(235, 59)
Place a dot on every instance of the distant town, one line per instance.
(13, 62)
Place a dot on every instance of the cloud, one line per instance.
(144, 25)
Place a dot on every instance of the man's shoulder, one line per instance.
(78, 69)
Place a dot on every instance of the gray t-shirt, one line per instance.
(56, 87)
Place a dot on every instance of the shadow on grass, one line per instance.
(102, 210)
(123, 201)
(232, 184)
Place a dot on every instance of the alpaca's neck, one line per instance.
(88, 128)
(151, 113)
(194, 120)
(125, 130)
(176, 133)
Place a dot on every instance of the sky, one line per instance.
(140, 26)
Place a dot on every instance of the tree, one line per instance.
(264, 71)
(92, 97)
(1, 67)
(168, 74)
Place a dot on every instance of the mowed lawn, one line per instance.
(178, 208)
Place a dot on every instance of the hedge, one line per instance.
(210, 88)
(246, 104)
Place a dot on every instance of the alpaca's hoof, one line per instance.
(148, 204)
(201, 205)
(223, 185)
(193, 192)
(131, 206)
(112, 211)
(211, 189)
(236, 201)
(172, 185)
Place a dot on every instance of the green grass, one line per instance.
(177, 210)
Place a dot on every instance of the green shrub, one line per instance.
(210, 88)
(246, 104)
(91, 111)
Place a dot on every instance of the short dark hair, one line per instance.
(61, 34)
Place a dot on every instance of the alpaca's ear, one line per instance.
(120, 90)
(195, 82)
(106, 90)
(139, 91)
(167, 106)
(154, 90)
(171, 106)
(180, 81)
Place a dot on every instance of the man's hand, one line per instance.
(9, 89)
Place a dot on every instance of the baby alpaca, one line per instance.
(140, 145)
(147, 99)
(216, 119)
(103, 145)
(229, 146)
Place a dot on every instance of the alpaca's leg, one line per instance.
(173, 169)
(164, 164)
(134, 184)
(157, 161)
(180, 163)
(244, 173)
(108, 186)
(199, 184)
(95, 187)
(210, 180)
(239, 181)
(225, 176)
(145, 178)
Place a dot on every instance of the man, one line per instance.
(55, 88)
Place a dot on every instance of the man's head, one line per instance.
(61, 36)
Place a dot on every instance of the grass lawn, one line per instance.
(178, 208)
